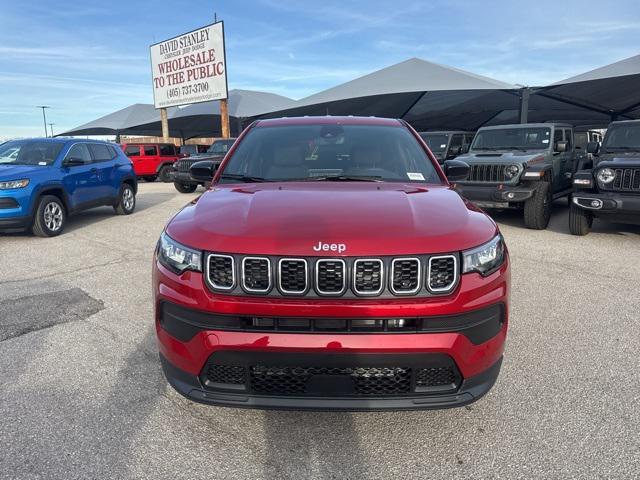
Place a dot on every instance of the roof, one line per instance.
(527, 125)
(628, 66)
(444, 132)
(328, 120)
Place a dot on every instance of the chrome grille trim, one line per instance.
(392, 276)
(306, 276)
(353, 274)
(344, 276)
(455, 274)
(208, 273)
(243, 277)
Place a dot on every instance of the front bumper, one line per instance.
(475, 347)
(608, 203)
(182, 177)
(495, 196)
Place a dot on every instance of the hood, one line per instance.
(368, 218)
(619, 158)
(17, 172)
(502, 157)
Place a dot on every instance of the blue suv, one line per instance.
(43, 181)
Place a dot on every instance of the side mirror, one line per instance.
(593, 147)
(560, 147)
(204, 170)
(456, 170)
(73, 162)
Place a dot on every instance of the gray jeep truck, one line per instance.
(446, 145)
(524, 166)
(610, 188)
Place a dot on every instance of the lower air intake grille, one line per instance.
(367, 277)
(256, 274)
(361, 380)
(229, 374)
(442, 273)
(330, 277)
(435, 377)
(221, 272)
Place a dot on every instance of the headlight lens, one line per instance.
(176, 257)
(606, 175)
(12, 184)
(511, 171)
(484, 259)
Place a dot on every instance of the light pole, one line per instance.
(51, 128)
(44, 117)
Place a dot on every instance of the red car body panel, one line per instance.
(289, 219)
(149, 160)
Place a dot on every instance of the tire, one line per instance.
(580, 221)
(50, 218)
(126, 201)
(163, 173)
(150, 178)
(185, 187)
(537, 210)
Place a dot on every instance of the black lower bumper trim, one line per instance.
(15, 223)
(471, 390)
(610, 204)
(497, 194)
(182, 177)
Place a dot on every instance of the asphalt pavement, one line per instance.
(82, 394)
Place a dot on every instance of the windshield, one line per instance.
(437, 142)
(623, 137)
(512, 138)
(26, 152)
(221, 147)
(330, 152)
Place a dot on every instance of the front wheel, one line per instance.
(537, 210)
(185, 187)
(127, 200)
(50, 217)
(580, 221)
(163, 173)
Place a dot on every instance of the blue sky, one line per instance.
(88, 59)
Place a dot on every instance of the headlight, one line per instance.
(177, 257)
(606, 175)
(484, 259)
(511, 171)
(12, 184)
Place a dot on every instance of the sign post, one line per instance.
(191, 68)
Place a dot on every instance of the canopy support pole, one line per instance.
(524, 104)
(224, 118)
(164, 120)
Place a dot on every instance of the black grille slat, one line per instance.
(367, 276)
(442, 273)
(487, 173)
(221, 272)
(256, 274)
(406, 275)
(293, 276)
(330, 276)
(625, 180)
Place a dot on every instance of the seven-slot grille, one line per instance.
(332, 277)
(486, 173)
(442, 273)
(183, 166)
(368, 276)
(256, 274)
(626, 180)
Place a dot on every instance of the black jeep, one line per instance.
(609, 188)
(182, 179)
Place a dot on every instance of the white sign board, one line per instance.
(190, 68)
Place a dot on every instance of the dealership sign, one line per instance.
(190, 68)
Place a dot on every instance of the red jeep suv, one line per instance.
(331, 266)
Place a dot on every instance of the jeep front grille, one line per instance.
(487, 173)
(183, 166)
(385, 277)
(626, 180)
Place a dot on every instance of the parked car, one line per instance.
(152, 160)
(581, 139)
(43, 181)
(447, 145)
(610, 190)
(193, 149)
(182, 180)
(524, 166)
(333, 266)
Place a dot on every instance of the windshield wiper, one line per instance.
(243, 178)
(342, 178)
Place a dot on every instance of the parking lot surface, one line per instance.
(82, 394)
